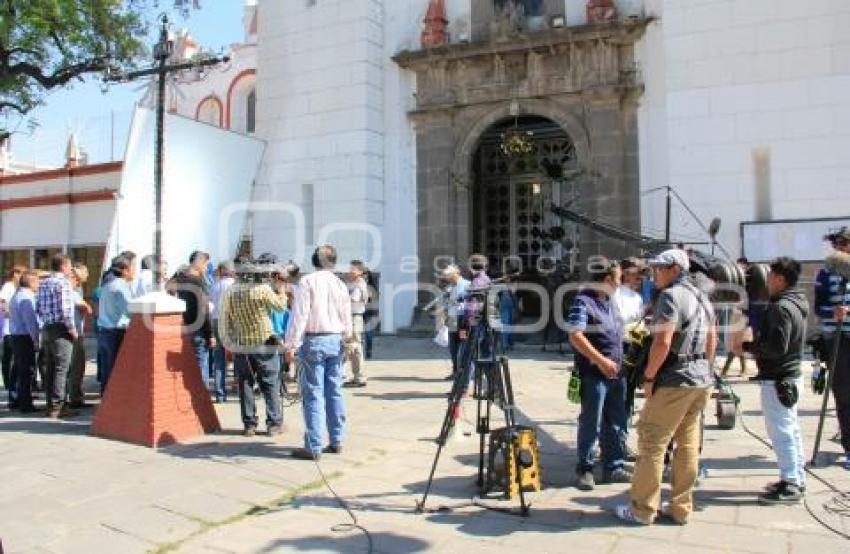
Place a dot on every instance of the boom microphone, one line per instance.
(839, 262)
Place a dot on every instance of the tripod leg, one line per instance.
(455, 397)
(507, 392)
(483, 423)
(833, 362)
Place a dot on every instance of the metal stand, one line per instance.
(833, 361)
(492, 383)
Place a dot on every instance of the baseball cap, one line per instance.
(674, 256)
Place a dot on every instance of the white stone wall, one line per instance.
(332, 106)
(726, 77)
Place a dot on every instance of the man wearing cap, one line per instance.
(678, 379)
(832, 304)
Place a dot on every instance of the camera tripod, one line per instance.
(492, 383)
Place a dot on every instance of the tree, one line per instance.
(45, 44)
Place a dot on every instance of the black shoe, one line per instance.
(354, 384)
(249, 432)
(618, 475)
(30, 409)
(304, 454)
(450, 377)
(784, 493)
(585, 481)
(332, 449)
(13, 405)
(770, 487)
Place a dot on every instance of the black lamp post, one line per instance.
(162, 52)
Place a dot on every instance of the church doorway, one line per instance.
(522, 166)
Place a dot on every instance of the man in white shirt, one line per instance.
(358, 291)
(225, 276)
(319, 325)
(627, 298)
(144, 281)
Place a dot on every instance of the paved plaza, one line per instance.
(65, 491)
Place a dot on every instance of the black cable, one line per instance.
(841, 498)
(344, 527)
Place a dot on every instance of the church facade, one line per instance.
(415, 133)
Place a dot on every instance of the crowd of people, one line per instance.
(261, 318)
(678, 373)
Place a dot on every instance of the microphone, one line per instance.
(838, 262)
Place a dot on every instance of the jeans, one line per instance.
(369, 333)
(8, 368)
(454, 349)
(784, 432)
(263, 369)
(23, 349)
(603, 417)
(202, 353)
(219, 363)
(108, 344)
(60, 347)
(506, 316)
(669, 414)
(321, 390)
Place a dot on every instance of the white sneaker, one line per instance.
(624, 512)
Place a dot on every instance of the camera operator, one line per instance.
(832, 298)
(778, 351)
(596, 334)
(678, 379)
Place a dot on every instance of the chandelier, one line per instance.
(516, 142)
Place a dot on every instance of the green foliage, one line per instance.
(46, 44)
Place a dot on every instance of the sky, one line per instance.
(101, 120)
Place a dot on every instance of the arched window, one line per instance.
(209, 111)
(251, 112)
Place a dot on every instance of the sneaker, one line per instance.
(249, 432)
(665, 512)
(624, 512)
(332, 449)
(353, 384)
(585, 481)
(846, 464)
(304, 454)
(770, 487)
(784, 493)
(275, 430)
(619, 475)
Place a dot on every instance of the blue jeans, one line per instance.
(219, 363)
(506, 315)
(321, 390)
(784, 432)
(108, 343)
(263, 369)
(602, 417)
(202, 354)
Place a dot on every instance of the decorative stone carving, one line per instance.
(601, 11)
(436, 24)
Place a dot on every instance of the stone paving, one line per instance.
(66, 491)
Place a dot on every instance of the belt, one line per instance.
(320, 334)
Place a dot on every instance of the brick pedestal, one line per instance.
(155, 395)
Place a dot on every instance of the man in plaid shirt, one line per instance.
(245, 328)
(55, 306)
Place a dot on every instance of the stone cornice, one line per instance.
(623, 32)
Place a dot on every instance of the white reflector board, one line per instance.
(207, 171)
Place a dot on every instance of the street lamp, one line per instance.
(162, 52)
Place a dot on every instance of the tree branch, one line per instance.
(60, 76)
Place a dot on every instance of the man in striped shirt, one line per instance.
(832, 299)
(56, 310)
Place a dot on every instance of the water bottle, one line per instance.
(574, 388)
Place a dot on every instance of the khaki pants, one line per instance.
(354, 349)
(671, 413)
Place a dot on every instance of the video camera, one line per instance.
(266, 269)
